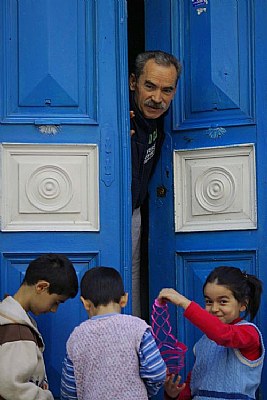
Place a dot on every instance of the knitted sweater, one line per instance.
(104, 353)
(226, 369)
(22, 370)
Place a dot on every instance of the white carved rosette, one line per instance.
(215, 189)
(50, 187)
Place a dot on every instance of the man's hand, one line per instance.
(132, 115)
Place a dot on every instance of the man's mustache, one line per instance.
(157, 106)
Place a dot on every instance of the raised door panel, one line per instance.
(217, 84)
(49, 62)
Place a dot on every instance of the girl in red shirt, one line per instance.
(228, 293)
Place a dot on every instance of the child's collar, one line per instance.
(235, 321)
(104, 315)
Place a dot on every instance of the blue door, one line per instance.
(212, 210)
(64, 146)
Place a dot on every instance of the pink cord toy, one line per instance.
(171, 350)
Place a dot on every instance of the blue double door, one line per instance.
(65, 154)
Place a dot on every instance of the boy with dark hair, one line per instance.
(49, 280)
(110, 356)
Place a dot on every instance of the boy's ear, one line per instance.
(123, 300)
(133, 82)
(42, 286)
(86, 303)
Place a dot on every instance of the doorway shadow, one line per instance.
(136, 45)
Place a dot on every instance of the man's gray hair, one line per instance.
(160, 58)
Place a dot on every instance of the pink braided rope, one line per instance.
(171, 350)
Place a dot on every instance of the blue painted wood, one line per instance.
(217, 85)
(51, 62)
(76, 57)
(222, 89)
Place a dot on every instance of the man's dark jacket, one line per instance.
(146, 145)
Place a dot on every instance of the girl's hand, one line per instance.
(172, 387)
(174, 297)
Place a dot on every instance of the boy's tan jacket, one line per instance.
(22, 370)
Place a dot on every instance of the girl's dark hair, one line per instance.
(246, 288)
(56, 269)
(102, 285)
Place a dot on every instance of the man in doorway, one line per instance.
(152, 88)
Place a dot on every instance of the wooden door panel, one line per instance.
(64, 88)
(220, 104)
(217, 80)
(50, 62)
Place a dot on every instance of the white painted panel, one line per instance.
(214, 189)
(50, 187)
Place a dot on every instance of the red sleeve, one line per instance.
(186, 393)
(242, 337)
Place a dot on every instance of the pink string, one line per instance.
(171, 350)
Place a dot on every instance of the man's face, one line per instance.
(155, 89)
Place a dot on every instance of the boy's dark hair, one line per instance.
(102, 285)
(246, 288)
(56, 269)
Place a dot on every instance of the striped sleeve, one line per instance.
(68, 384)
(152, 366)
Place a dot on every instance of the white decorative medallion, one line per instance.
(50, 187)
(215, 189)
